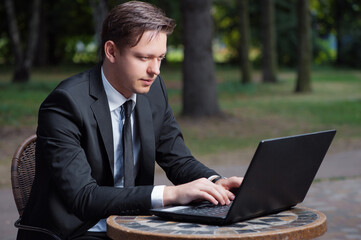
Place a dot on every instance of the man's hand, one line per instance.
(230, 183)
(201, 189)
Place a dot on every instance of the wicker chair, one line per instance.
(22, 177)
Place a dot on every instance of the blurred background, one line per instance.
(236, 71)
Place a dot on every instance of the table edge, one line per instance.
(318, 228)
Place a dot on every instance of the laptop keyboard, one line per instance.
(206, 209)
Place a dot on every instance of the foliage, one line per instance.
(23, 16)
(65, 24)
(324, 23)
(4, 50)
(286, 36)
(226, 26)
(340, 18)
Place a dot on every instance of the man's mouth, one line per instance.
(147, 81)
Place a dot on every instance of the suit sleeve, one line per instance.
(171, 152)
(62, 161)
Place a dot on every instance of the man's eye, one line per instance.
(150, 58)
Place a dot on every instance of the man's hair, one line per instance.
(127, 22)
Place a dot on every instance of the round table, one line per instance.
(296, 223)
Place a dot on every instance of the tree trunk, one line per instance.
(33, 33)
(338, 24)
(23, 62)
(100, 11)
(199, 84)
(269, 57)
(244, 41)
(20, 73)
(304, 47)
(41, 56)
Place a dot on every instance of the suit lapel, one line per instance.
(146, 131)
(100, 108)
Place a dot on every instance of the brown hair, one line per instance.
(127, 22)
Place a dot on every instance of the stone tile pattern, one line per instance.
(287, 222)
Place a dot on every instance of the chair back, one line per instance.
(23, 172)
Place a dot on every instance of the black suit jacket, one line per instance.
(73, 186)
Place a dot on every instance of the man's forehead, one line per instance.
(151, 41)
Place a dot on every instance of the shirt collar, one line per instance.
(115, 98)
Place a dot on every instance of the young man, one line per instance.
(82, 175)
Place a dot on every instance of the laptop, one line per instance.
(278, 178)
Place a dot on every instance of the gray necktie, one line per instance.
(128, 159)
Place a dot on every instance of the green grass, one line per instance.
(253, 112)
(19, 103)
(257, 111)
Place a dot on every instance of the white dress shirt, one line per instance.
(115, 101)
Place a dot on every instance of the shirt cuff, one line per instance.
(157, 196)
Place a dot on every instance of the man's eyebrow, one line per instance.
(150, 54)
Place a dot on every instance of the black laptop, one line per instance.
(278, 177)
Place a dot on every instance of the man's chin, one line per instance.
(143, 90)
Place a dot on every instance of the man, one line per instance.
(81, 168)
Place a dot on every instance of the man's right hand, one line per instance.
(197, 190)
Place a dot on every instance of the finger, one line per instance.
(208, 197)
(215, 191)
(229, 183)
(225, 187)
(236, 182)
(222, 195)
(225, 194)
(230, 195)
(201, 189)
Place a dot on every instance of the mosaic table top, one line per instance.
(296, 223)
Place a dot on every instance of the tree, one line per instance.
(304, 53)
(286, 22)
(244, 41)
(347, 24)
(269, 57)
(340, 19)
(23, 58)
(199, 84)
(338, 25)
(100, 11)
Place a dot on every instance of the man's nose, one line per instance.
(154, 66)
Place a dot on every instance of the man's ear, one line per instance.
(110, 50)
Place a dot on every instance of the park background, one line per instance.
(236, 72)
